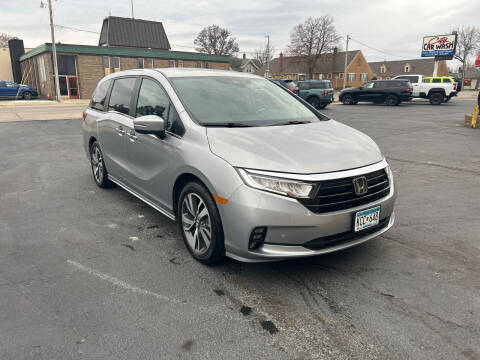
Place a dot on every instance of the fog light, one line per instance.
(257, 238)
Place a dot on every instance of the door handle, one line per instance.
(120, 130)
(132, 136)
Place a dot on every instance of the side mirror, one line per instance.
(150, 124)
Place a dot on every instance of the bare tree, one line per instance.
(316, 36)
(216, 40)
(468, 40)
(264, 55)
(4, 39)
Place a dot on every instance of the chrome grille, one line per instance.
(338, 194)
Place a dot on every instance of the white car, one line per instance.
(436, 89)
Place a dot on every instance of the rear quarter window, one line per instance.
(447, 80)
(100, 95)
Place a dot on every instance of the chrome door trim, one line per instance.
(324, 176)
(145, 200)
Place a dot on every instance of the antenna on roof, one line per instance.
(131, 1)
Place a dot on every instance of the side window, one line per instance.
(447, 80)
(122, 95)
(100, 95)
(152, 100)
(303, 86)
(426, 80)
(436, 80)
(2, 84)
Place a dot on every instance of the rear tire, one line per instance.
(392, 100)
(313, 100)
(99, 171)
(436, 99)
(200, 224)
(27, 95)
(348, 99)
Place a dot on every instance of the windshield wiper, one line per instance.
(293, 122)
(227, 124)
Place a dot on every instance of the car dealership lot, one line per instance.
(91, 273)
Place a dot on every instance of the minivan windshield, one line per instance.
(238, 101)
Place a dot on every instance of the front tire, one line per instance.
(200, 224)
(436, 99)
(27, 95)
(348, 100)
(99, 171)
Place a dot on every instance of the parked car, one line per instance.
(249, 170)
(10, 90)
(287, 83)
(318, 93)
(390, 92)
(436, 89)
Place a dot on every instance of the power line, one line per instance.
(380, 51)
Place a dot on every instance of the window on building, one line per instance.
(41, 68)
(66, 65)
(171, 63)
(341, 75)
(320, 76)
(152, 100)
(116, 64)
(141, 63)
(406, 68)
(150, 63)
(106, 65)
(359, 62)
(352, 77)
(383, 69)
(329, 75)
(199, 64)
(363, 77)
(180, 63)
(122, 95)
(100, 95)
(207, 65)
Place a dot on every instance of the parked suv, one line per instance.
(11, 90)
(318, 93)
(436, 89)
(249, 170)
(390, 92)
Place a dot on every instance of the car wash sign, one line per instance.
(439, 45)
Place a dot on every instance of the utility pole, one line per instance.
(346, 59)
(54, 51)
(131, 1)
(268, 56)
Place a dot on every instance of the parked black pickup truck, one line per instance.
(390, 92)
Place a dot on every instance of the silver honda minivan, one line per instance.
(248, 169)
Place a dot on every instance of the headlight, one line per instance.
(292, 188)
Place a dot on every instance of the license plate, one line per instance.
(366, 218)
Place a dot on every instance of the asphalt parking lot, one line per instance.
(96, 274)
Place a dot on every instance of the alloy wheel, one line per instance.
(97, 164)
(196, 223)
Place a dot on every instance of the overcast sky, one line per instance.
(393, 26)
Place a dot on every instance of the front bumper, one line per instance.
(290, 225)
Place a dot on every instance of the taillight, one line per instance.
(325, 93)
(291, 89)
(408, 90)
(454, 86)
(84, 115)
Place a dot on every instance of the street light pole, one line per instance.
(345, 69)
(131, 2)
(54, 51)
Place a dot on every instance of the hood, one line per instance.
(319, 147)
